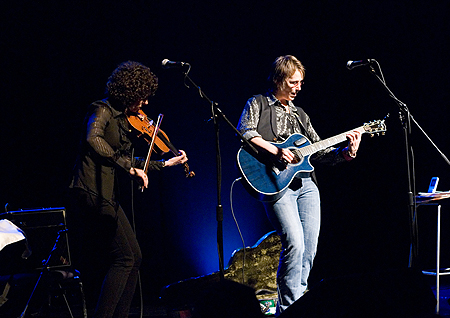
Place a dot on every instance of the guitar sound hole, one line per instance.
(297, 156)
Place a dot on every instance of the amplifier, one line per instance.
(46, 233)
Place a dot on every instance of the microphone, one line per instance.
(352, 64)
(171, 64)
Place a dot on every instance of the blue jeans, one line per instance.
(296, 218)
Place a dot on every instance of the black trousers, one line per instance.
(104, 243)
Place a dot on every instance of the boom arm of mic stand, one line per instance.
(431, 141)
(219, 111)
(219, 209)
(405, 109)
(410, 117)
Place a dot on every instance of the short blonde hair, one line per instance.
(283, 68)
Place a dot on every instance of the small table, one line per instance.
(433, 199)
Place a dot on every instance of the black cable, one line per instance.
(133, 224)
(239, 230)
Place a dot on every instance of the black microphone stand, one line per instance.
(216, 112)
(406, 118)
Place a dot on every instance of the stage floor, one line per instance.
(59, 310)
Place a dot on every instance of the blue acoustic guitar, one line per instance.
(267, 179)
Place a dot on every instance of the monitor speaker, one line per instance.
(46, 238)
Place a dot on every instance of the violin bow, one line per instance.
(150, 149)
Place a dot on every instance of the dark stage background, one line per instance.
(57, 55)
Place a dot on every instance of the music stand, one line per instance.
(45, 228)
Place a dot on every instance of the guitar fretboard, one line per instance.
(323, 144)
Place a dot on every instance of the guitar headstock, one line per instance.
(375, 127)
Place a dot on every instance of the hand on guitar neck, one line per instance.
(354, 139)
(267, 181)
(285, 155)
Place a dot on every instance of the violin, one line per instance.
(146, 127)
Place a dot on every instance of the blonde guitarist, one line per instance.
(270, 119)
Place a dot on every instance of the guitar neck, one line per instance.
(323, 144)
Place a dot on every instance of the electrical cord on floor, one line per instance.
(239, 230)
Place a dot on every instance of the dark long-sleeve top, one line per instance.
(105, 147)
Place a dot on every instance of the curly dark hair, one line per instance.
(131, 82)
